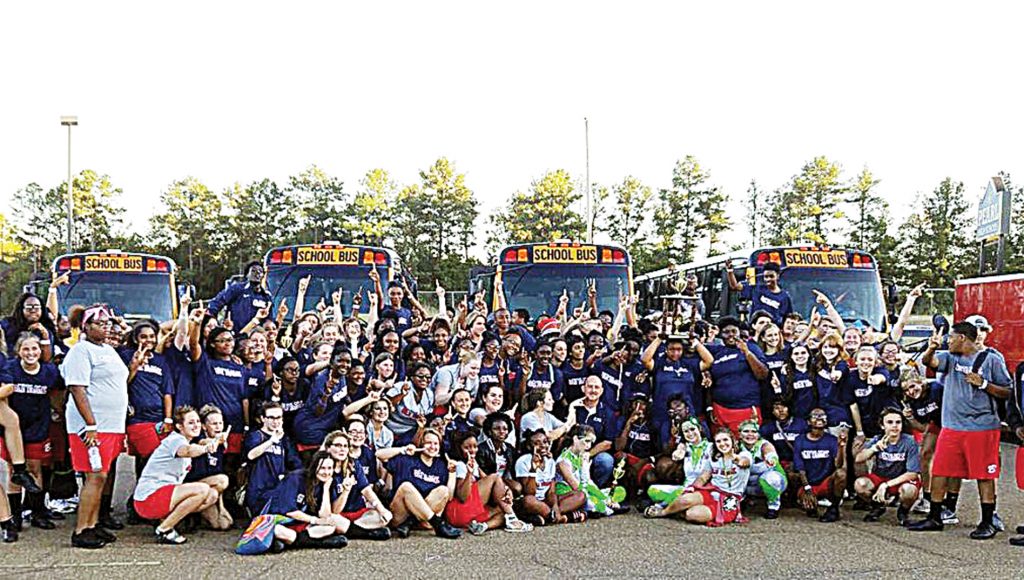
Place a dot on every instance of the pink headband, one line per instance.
(92, 312)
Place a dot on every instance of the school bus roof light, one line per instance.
(367, 256)
(380, 258)
(76, 263)
(606, 255)
(776, 258)
(856, 261)
(275, 257)
(618, 257)
(510, 256)
(161, 266)
(521, 255)
(866, 260)
(762, 258)
(150, 265)
(286, 257)
(64, 264)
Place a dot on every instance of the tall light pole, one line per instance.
(590, 215)
(70, 121)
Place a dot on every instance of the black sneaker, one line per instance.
(926, 525)
(1020, 529)
(446, 530)
(860, 505)
(403, 530)
(771, 514)
(622, 509)
(52, 515)
(984, 532)
(875, 514)
(87, 539)
(170, 537)
(378, 534)
(109, 522)
(336, 541)
(831, 514)
(26, 481)
(1018, 541)
(276, 547)
(40, 521)
(812, 513)
(104, 535)
(10, 531)
(902, 514)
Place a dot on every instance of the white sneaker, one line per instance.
(922, 506)
(949, 517)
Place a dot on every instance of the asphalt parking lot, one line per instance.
(791, 547)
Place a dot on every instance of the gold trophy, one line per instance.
(679, 315)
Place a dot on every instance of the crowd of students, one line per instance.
(379, 423)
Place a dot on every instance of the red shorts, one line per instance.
(731, 418)
(967, 454)
(724, 510)
(234, 446)
(353, 516)
(111, 445)
(38, 451)
(142, 439)
(157, 505)
(460, 514)
(895, 489)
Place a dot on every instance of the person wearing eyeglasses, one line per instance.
(412, 399)
(270, 456)
(97, 379)
(287, 387)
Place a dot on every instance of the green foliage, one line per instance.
(934, 243)
(320, 199)
(543, 213)
(190, 228)
(434, 223)
(756, 217)
(260, 216)
(369, 219)
(869, 223)
(807, 207)
(688, 210)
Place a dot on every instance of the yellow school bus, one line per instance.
(135, 285)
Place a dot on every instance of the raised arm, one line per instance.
(734, 284)
(908, 307)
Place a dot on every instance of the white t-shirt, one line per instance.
(164, 467)
(105, 377)
(530, 422)
(545, 477)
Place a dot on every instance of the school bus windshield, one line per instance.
(132, 295)
(856, 294)
(537, 287)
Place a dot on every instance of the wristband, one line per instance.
(860, 433)
(168, 420)
(90, 428)
(984, 385)
(808, 487)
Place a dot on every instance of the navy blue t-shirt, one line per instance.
(423, 477)
(267, 470)
(355, 499)
(206, 464)
(871, 400)
(671, 379)
(928, 407)
(183, 375)
(619, 383)
(802, 394)
(488, 376)
(367, 464)
(639, 440)
(146, 391)
(735, 386)
(816, 458)
(222, 383)
(404, 317)
(830, 396)
(321, 412)
(574, 380)
(776, 304)
(783, 435)
(603, 420)
(30, 399)
(550, 379)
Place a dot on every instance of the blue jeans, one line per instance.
(601, 468)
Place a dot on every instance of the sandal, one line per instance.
(518, 526)
(577, 517)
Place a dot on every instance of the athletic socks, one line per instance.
(951, 501)
(14, 499)
(19, 468)
(935, 511)
(436, 521)
(987, 509)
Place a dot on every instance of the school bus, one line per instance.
(849, 277)
(330, 266)
(136, 286)
(535, 275)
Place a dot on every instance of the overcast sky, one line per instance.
(230, 91)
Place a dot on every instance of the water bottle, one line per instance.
(95, 461)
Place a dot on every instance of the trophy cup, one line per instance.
(679, 315)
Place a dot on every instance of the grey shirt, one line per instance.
(898, 458)
(965, 407)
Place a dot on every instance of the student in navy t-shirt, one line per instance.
(768, 296)
(782, 430)
(866, 390)
(30, 383)
(821, 466)
(676, 375)
(306, 498)
(221, 382)
(353, 496)
(209, 468)
(328, 395)
(362, 456)
(736, 375)
(150, 393)
(270, 456)
(424, 483)
(619, 372)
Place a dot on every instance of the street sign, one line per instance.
(994, 211)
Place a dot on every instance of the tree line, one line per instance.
(432, 223)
